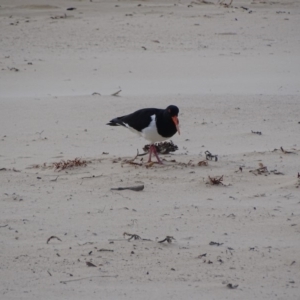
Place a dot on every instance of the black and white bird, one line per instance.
(153, 124)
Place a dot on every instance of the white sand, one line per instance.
(229, 71)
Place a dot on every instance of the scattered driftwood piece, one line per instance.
(202, 255)
(256, 132)
(71, 8)
(87, 243)
(89, 264)
(131, 162)
(163, 147)
(298, 175)
(105, 250)
(78, 279)
(95, 93)
(67, 164)
(215, 244)
(261, 170)
(216, 180)
(53, 237)
(4, 225)
(116, 94)
(132, 188)
(168, 239)
(275, 172)
(59, 17)
(93, 176)
(3, 169)
(49, 273)
(54, 179)
(210, 156)
(232, 286)
(286, 152)
(134, 236)
(199, 2)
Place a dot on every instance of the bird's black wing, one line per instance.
(137, 120)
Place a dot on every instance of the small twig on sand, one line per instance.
(66, 281)
(89, 264)
(215, 244)
(132, 236)
(168, 238)
(132, 188)
(4, 225)
(116, 94)
(256, 132)
(87, 243)
(53, 237)
(232, 286)
(54, 179)
(93, 176)
(286, 152)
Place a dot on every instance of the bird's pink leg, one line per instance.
(150, 153)
(156, 155)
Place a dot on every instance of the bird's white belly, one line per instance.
(150, 133)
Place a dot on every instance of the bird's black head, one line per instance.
(173, 110)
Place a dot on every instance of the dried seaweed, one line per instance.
(68, 164)
(163, 147)
(216, 180)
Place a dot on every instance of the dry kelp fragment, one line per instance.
(216, 180)
(202, 163)
(163, 147)
(67, 164)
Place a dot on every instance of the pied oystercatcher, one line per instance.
(153, 124)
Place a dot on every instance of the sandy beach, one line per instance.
(233, 71)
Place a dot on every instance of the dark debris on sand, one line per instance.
(163, 147)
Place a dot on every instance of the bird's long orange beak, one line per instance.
(176, 122)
